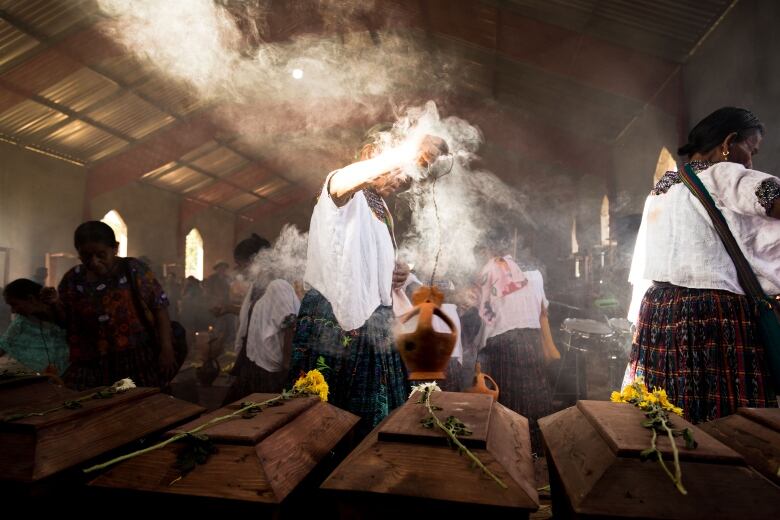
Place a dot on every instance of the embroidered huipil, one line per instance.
(351, 257)
(677, 242)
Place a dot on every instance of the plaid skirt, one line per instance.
(703, 347)
(516, 361)
(366, 375)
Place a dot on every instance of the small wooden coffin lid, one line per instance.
(619, 426)
(251, 431)
(769, 417)
(472, 409)
(88, 407)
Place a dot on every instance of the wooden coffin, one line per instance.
(18, 391)
(595, 470)
(403, 468)
(259, 461)
(755, 434)
(36, 447)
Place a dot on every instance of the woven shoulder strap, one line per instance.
(747, 278)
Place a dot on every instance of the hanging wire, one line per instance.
(436, 214)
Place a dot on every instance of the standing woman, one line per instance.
(115, 329)
(697, 334)
(510, 305)
(346, 316)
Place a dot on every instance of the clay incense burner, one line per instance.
(425, 351)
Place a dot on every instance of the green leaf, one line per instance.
(647, 453)
(690, 442)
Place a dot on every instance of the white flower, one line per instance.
(123, 385)
(425, 387)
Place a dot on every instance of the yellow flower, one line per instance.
(313, 383)
(616, 397)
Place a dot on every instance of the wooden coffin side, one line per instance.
(769, 417)
(266, 473)
(590, 477)
(233, 473)
(576, 451)
(510, 444)
(757, 443)
(17, 392)
(17, 456)
(65, 443)
(633, 489)
(291, 453)
(387, 470)
(620, 427)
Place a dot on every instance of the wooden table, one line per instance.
(260, 463)
(755, 434)
(402, 468)
(595, 471)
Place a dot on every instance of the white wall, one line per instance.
(41, 203)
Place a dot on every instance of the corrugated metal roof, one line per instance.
(199, 151)
(28, 119)
(159, 172)
(130, 115)
(220, 161)
(170, 95)
(124, 68)
(240, 202)
(13, 43)
(84, 141)
(80, 90)
(181, 179)
(51, 17)
(269, 188)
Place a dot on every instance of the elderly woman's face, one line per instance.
(743, 151)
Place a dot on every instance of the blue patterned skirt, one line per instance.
(703, 347)
(366, 376)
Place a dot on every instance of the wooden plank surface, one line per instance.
(64, 444)
(291, 453)
(473, 409)
(510, 442)
(251, 431)
(620, 426)
(577, 451)
(632, 489)
(18, 392)
(88, 407)
(769, 417)
(757, 443)
(234, 473)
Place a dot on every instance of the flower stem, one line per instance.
(459, 444)
(677, 470)
(178, 436)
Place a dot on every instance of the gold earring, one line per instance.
(725, 155)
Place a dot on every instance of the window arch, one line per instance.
(666, 163)
(193, 254)
(117, 223)
(605, 221)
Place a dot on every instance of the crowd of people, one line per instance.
(696, 336)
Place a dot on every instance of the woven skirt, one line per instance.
(366, 375)
(516, 361)
(703, 347)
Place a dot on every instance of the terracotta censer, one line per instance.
(479, 386)
(426, 351)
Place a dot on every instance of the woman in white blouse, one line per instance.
(696, 331)
(346, 316)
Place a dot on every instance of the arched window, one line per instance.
(605, 221)
(193, 254)
(117, 223)
(666, 163)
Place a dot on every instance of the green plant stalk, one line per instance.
(459, 444)
(178, 436)
(18, 416)
(677, 477)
